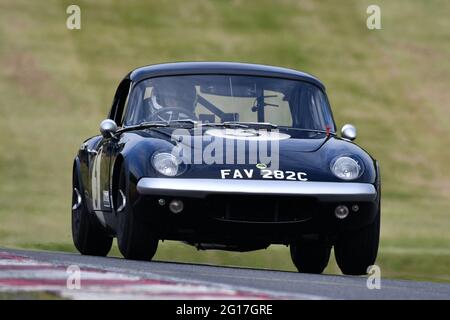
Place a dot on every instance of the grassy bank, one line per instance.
(56, 85)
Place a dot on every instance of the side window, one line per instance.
(325, 110)
(125, 108)
(319, 111)
(310, 109)
(137, 103)
(130, 106)
(120, 99)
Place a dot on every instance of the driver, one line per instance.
(177, 95)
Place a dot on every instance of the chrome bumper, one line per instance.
(200, 188)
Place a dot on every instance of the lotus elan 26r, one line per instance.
(226, 156)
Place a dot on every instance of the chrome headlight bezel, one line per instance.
(161, 160)
(349, 160)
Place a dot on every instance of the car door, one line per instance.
(99, 176)
(99, 179)
(100, 164)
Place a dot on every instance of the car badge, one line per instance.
(261, 166)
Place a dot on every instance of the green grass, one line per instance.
(56, 86)
(23, 295)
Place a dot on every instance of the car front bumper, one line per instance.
(274, 211)
(201, 188)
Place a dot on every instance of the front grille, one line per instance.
(260, 208)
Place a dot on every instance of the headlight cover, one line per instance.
(346, 168)
(165, 163)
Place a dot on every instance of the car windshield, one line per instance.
(217, 99)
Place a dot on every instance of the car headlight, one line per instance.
(346, 168)
(165, 163)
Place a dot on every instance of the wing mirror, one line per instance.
(108, 128)
(348, 132)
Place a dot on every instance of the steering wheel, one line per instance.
(173, 113)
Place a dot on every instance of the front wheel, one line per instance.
(310, 256)
(88, 236)
(135, 239)
(357, 250)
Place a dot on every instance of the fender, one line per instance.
(77, 170)
(137, 153)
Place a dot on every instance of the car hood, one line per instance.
(288, 140)
(286, 150)
(220, 148)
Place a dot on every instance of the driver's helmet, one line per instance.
(173, 92)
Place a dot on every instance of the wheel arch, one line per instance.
(76, 171)
(378, 180)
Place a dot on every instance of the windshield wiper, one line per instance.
(239, 124)
(193, 123)
(255, 124)
(183, 121)
(144, 125)
(226, 124)
(157, 124)
(311, 130)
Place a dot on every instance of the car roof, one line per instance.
(186, 68)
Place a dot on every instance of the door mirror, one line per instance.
(348, 132)
(108, 128)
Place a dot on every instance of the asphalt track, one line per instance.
(209, 281)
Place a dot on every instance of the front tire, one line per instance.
(134, 237)
(310, 256)
(357, 250)
(88, 236)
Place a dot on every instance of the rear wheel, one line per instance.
(134, 237)
(88, 236)
(357, 250)
(310, 256)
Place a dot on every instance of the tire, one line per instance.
(310, 256)
(356, 251)
(88, 236)
(134, 238)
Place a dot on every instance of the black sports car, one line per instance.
(226, 156)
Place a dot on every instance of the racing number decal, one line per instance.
(95, 180)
